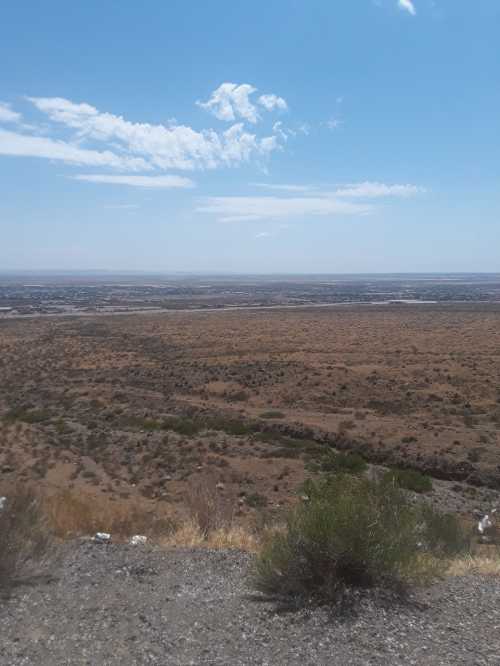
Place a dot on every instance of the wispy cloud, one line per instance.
(152, 182)
(246, 209)
(231, 101)
(314, 201)
(23, 145)
(7, 115)
(408, 6)
(369, 190)
(365, 190)
(286, 188)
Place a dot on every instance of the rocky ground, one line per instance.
(116, 604)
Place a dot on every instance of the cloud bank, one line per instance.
(80, 134)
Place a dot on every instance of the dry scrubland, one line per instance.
(138, 411)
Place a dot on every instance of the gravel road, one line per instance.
(124, 605)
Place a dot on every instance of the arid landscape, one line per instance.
(141, 407)
(250, 333)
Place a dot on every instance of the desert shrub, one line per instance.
(25, 537)
(151, 424)
(344, 426)
(352, 463)
(228, 425)
(209, 508)
(256, 500)
(238, 396)
(351, 532)
(272, 414)
(410, 479)
(26, 415)
(444, 533)
(182, 425)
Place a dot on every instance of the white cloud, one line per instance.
(231, 101)
(263, 234)
(23, 145)
(164, 147)
(369, 190)
(244, 209)
(271, 102)
(7, 115)
(152, 182)
(408, 6)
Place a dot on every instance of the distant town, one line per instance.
(48, 294)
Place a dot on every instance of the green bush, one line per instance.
(182, 425)
(26, 415)
(256, 500)
(444, 533)
(352, 463)
(272, 414)
(228, 425)
(352, 532)
(410, 479)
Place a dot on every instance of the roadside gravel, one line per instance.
(119, 604)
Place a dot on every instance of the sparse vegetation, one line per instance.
(256, 500)
(26, 539)
(272, 414)
(70, 514)
(132, 409)
(209, 508)
(410, 479)
(352, 463)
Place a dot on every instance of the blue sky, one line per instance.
(278, 136)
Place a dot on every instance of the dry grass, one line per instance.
(209, 505)
(486, 565)
(26, 540)
(232, 537)
(209, 524)
(70, 515)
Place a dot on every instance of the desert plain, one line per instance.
(143, 407)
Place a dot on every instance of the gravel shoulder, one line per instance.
(119, 604)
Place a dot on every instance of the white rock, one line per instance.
(3, 502)
(138, 540)
(486, 523)
(102, 537)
